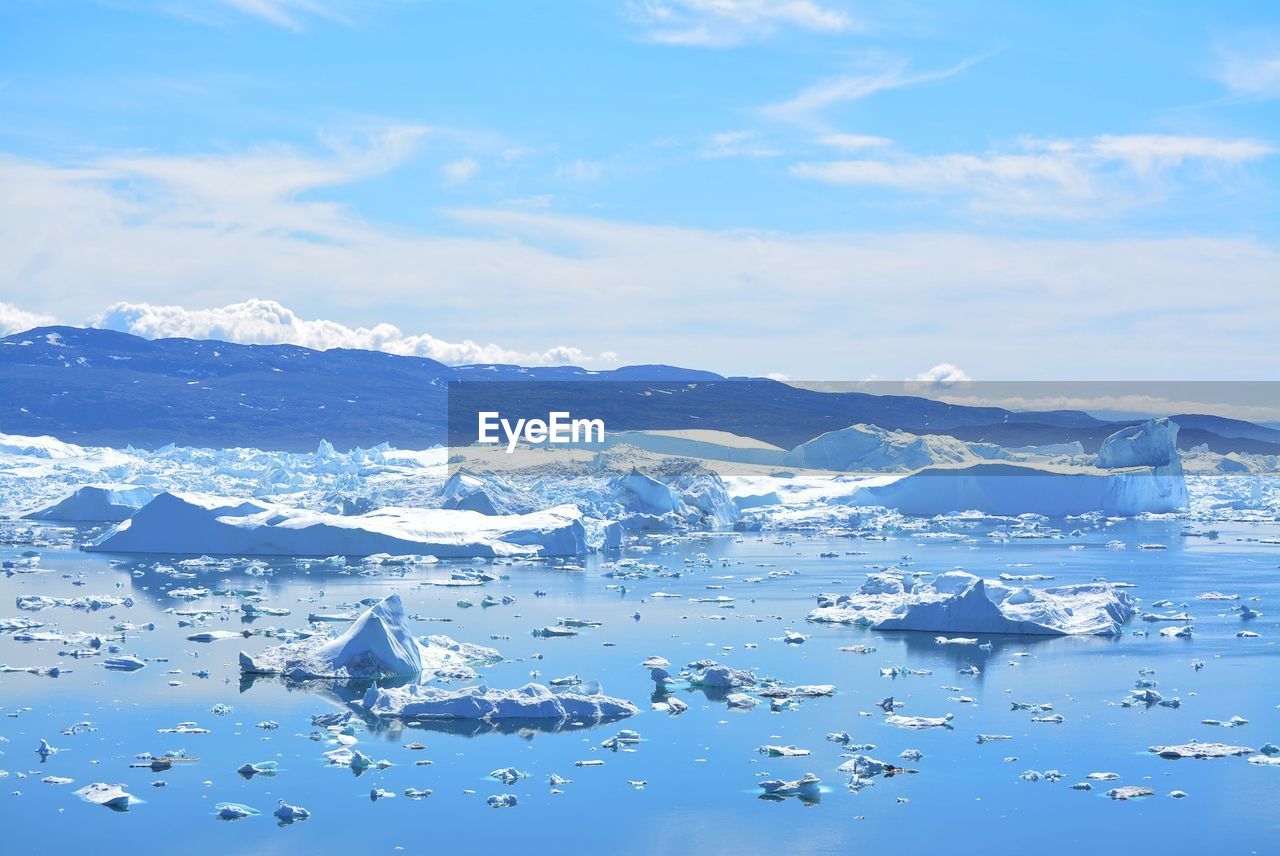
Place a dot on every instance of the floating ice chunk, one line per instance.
(234, 811)
(289, 813)
(900, 721)
(1129, 792)
(716, 675)
(793, 638)
(961, 602)
(378, 644)
(508, 775)
(261, 768)
(380, 794)
(124, 663)
(417, 794)
(958, 640)
(502, 801)
(783, 751)
(203, 523)
(990, 738)
(1195, 749)
(532, 701)
(807, 785)
(1178, 632)
(112, 796)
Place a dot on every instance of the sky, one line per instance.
(808, 189)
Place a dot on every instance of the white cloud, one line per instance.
(266, 322)
(737, 144)
(1252, 71)
(15, 320)
(461, 170)
(943, 375)
(724, 23)
(1057, 178)
(853, 142)
(887, 74)
(196, 232)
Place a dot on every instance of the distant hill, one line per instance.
(101, 387)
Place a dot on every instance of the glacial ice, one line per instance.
(378, 644)
(112, 796)
(959, 602)
(202, 523)
(532, 701)
(109, 502)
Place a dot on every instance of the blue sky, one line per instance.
(809, 188)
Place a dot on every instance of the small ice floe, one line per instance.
(234, 811)
(214, 636)
(261, 768)
(594, 762)
(717, 675)
(806, 787)
(1265, 760)
(741, 701)
(1035, 776)
(1103, 777)
(1033, 707)
(44, 750)
(290, 813)
(112, 796)
(508, 775)
(57, 780)
(1082, 786)
(1233, 722)
(911, 755)
(417, 793)
(1053, 719)
(380, 794)
(183, 728)
(1178, 795)
(625, 737)
(556, 781)
(1246, 634)
(900, 721)
(791, 637)
(862, 769)
(955, 640)
(1129, 792)
(1195, 749)
(124, 663)
(783, 751)
(991, 738)
(501, 801)
(1178, 632)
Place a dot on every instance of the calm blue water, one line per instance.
(701, 767)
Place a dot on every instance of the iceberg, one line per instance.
(959, 602)
(870, 448)
(378, 644)
(193, 523)
(93, 503)
(1137, 471)
(532, 701)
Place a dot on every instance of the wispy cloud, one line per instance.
(289, 14)
(805, 107)
(740, 301)
(727, 144)
(1249, 66)
(1059, 178)
(724, 23)
(580, 170)
(461, 170)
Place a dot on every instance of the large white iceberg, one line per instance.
(959, 602)
(870, 448)
(532, 701)
(214, 525)
(96, 502)
(378, 644)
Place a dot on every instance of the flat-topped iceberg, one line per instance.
(1137, 472)
(96, 502)
(959, 602)
(532, 701)
(214, 525)
(378, 644)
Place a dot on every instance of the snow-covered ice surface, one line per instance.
(374, 650)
